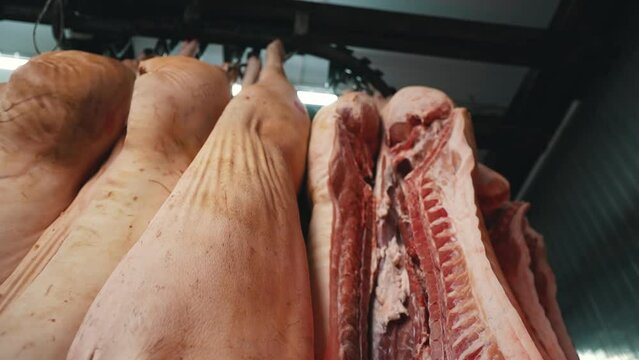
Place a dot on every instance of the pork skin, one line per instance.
(176, 102)
(60, 113)
(221, 270)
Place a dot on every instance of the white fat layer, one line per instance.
(392, 289)
(420, 146)
(385, 182)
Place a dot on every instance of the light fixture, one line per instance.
(316, 98)
(603, 355)
(235, 89)
(306, 97)
(10, 62)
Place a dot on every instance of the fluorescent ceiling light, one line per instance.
(602, 355)
(10, 62)
(306, 97)
(316, 98)
(235, 89)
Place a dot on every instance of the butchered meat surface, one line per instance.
(427, 197)
(507, 236)
(547, 289)
(344, 141)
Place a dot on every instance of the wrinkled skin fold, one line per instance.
(221, 270)
(59, 114)
(175, 104)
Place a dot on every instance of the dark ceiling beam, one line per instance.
(560, 58)
(426, 35)
(547, 91)
(259, 21)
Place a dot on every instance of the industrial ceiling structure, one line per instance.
(519, 66)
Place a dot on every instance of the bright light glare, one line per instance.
(316, 98)
(306, 97)
(8, 62)
(602, 355)
(235, 89)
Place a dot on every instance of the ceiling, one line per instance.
(472, 84)
(479, 86)
(486, 89)
(489, 87)
(532, 13)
